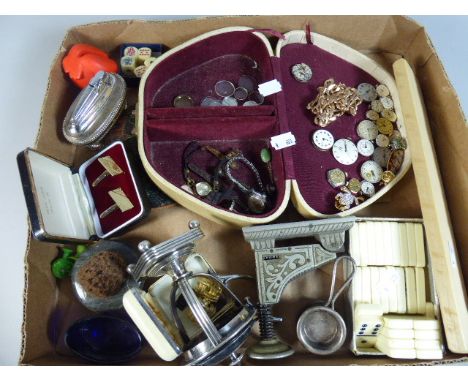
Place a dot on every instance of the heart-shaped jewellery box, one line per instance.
(174, 112)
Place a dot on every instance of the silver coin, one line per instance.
(229, 101)
(241, 93)
(250, 103)
(210, 101)
(183, 100)
(224, 88)
(247, 82)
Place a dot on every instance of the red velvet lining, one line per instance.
(195, 69)
(100, 195)
(311, 164)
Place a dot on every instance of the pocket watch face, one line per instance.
(323, 139)
(301, 72)
(381, 156)
(345, 151)
(371, 171)
(365, 147)
(367, 92)
(367, 130)
(367, 188)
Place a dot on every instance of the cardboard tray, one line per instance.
(299, 171)
(49, 305)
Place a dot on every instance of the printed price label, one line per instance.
(282, 141)
(270, 87)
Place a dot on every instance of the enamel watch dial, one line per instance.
(323, 139)
(367, 130)
(377, 106)
(302, 72)
(345, 151)
(365, 147)
(387, 102)
(367, 92)
(371, 171)
(367, 188)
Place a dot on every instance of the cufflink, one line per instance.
(111, 168)
(121, 202)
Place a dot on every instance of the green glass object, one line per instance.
(80, 248)
(265, 154)
(62, 267)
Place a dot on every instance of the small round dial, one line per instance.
(387, 102)
(389, 114)
(367, 130)
(345, 151)
(367, 92)
(323, 139)
(377, 106)
(371, 171)
(384, 126)
(382, 140)
(336, 177)
(367, 188)
(301, 72)
(382, 90)
(372, 115)
(365, 147)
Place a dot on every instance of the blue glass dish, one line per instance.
(104, 339)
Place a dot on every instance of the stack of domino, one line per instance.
(135, 61)
(390, 258)
(411, 336)
(390, 278)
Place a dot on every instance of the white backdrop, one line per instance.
(29, 45)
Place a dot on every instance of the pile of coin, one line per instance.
(332, 101)
(227, 94)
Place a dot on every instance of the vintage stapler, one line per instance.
(277, 266)
(189, 310)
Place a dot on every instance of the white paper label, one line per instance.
(281, 141)
(270, 87)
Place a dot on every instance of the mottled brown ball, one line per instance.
(103, 275)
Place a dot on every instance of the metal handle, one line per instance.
(332, 298)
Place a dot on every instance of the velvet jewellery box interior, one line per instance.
(231, 126)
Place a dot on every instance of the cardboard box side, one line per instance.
(41, 292)
(450, 136)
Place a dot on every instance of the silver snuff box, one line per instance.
(95, 110)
